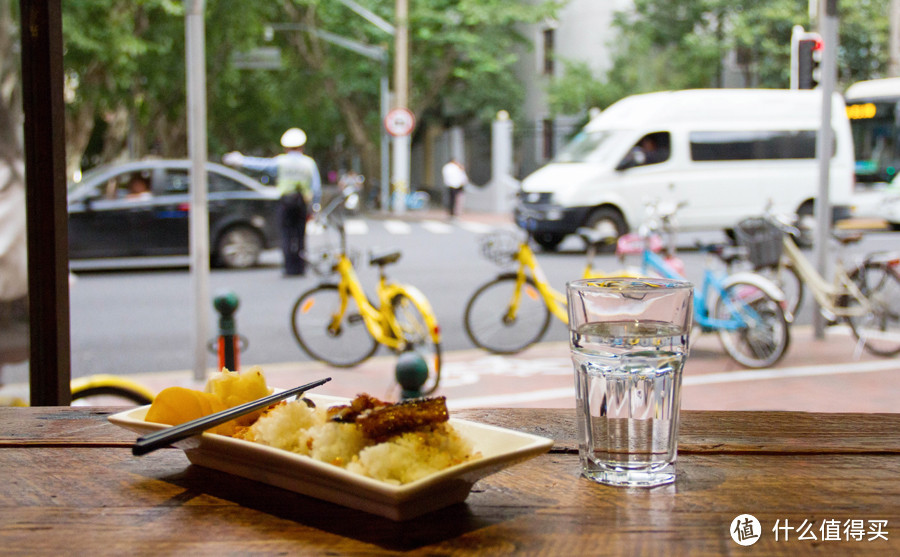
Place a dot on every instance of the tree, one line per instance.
(679, 44)
(11, 155)
(125, 73)
(13, 263)
(461, 58)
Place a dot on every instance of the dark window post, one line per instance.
(45, 201)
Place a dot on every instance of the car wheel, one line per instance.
(607, 222)
(548, 240)
(239, 247)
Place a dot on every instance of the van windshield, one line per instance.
(586, 146)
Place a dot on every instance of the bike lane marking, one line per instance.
(463, 373)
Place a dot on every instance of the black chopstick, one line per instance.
(158, 439)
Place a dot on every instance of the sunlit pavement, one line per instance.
(818, 375)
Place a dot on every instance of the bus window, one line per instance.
(872, 108)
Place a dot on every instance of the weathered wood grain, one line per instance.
(71, 486)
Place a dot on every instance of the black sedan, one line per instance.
(141, 208)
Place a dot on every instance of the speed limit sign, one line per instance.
(399, 122)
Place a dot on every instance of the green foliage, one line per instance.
(680, 44)
(126, 57)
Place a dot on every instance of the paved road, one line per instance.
(828, 374)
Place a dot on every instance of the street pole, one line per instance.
(828, 68)
(401, 143)
(894, 39)
(385, 179)
(195, 64)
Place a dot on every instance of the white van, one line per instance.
(725, 153)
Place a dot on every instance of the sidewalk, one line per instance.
(816, 375)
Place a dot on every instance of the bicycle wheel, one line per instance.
(762, 335)
(418, 336)
(109, 390)
(505, 319)
(879, 328)
(790, 283)
(311, 321)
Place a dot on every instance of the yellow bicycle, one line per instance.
(99, 389)
(336, 323)
(512, 311)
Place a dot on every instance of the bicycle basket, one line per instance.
(762, 239)
(500, 247)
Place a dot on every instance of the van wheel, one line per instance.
(548, 240)
(607, 222)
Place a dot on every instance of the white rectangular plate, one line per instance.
(499, 448)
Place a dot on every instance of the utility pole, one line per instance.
(894, 41)
(828, 29)
(401, 143)
(195, 64)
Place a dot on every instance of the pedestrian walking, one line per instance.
(300, 185)
(455, 179)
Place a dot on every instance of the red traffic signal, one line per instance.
(808, 52)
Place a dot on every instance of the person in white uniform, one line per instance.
(300, 185)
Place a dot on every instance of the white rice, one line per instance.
(403, 458)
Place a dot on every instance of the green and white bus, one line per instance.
(873, 108)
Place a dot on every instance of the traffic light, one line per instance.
(809, 57)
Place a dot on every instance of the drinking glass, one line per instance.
(629, 341)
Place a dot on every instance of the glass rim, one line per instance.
(629, 283)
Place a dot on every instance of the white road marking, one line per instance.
(356, 227)
(788, 372)
(437, 227)
(360, 227)
(397, 227)
(511, 398)
(476, 227)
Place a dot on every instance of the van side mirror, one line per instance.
(635, 157)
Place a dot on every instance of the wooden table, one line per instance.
(70, 486)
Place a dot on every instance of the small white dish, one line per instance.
(499, 448)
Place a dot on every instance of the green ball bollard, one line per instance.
(411, 374)
(226, 304)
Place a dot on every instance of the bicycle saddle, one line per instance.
(847, 237)
(727, 253)
(595, 237)
(384, 259)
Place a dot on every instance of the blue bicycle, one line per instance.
(414, 200)
(745, 308)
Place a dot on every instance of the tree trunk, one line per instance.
(79, 127)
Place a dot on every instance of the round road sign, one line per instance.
(399, 122)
